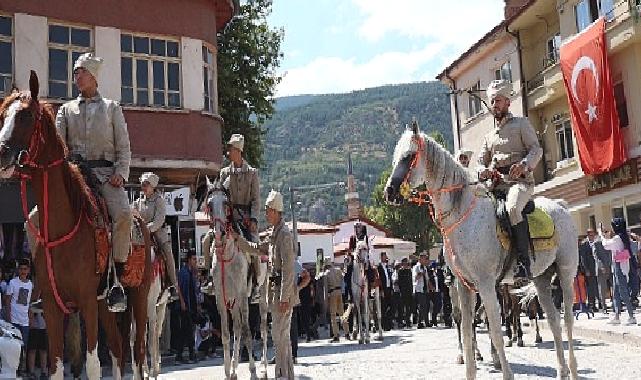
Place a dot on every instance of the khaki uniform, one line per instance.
(282, 288)
(334, 278)
(512, 141)
(152, 210)
(95, 129)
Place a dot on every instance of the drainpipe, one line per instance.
(454, 93)
(517, 35)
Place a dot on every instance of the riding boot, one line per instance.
(116, 298)
(521, 246)
(171, 272)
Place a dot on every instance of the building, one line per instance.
(159, 62)
(536, 29)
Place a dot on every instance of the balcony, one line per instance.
(546, 85)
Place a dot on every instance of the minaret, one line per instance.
(353, 202)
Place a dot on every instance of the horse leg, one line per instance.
(238, 331)
(506, 310)
(90, 315)
(224, 326)
(366, 315)
(542, 284)
(139, 312)
(55, 331)
(516, 311)
(488, 296)
(466, 297)
(567, 287)
(114, 338)
(477, 352)
(377, 300)
(263, 330)
(249, 339)
(73, 345)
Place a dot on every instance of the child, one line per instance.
(17, 300)
(37, 344)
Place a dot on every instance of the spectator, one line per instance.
(38, 344)
(204, 337)
(435, 287)
(406, 290)
(420, 277)
(396, 294)
(306, 295)
(385, 274)
(302, 279)
(17, 300)
(618, 242)
(187, 279)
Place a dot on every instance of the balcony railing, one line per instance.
(550, 59)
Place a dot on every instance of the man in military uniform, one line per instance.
(95, 131)
(512, 149)
(334, 278)
(283, 292)
(242, 182)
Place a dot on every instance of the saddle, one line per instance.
(135, 266)
(540, 225)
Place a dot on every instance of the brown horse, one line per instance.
(65, 258)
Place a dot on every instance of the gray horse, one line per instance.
(466, 215)
(360, 292)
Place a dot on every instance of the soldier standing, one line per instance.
(513, 150)
(334, 278)
(283, 293)
(243, 184)
(95, 131)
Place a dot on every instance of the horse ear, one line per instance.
(208, 182)
(414, 126)
(34, 85)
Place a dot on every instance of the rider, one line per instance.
(151, 208)
(241, 180)
(512, 149)
(95, 130)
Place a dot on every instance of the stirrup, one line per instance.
(118, 305)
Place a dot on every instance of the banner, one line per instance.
(586, 75)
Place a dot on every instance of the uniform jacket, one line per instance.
(281, 261)
(334, 278)
(586, 258)
(510, 142)
(381, 273)
(152, 210)
(95, 129)
(243, 186)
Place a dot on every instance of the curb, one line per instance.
(619, 337)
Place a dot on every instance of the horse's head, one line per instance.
(407, 171)
(218, 208)
(361, 253)
(18, 115)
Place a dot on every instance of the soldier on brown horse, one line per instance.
(68, 269)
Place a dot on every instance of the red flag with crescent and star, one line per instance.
(586, 74)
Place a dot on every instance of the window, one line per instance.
(209, 78)
(150, 71)
(553, 45)
(622, 107)
(66, 44)
(474, 102)
(587, 11)
(6, 54)
(504, 72)
(564, 140)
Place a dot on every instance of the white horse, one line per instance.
(10, 346)
(229, 269)
(467, 219)
(360, 292)
(156, 307)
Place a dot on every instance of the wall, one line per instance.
(309, 243)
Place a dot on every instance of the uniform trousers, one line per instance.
(281, 326)
(335, 300)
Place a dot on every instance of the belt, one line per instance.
(332, 289)
(99, 164)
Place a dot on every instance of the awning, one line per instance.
(10, 204)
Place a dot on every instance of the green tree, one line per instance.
(409, 221)
(248, 56)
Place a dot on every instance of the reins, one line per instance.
(437, 216)
(220, 256)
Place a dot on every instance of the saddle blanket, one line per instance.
(541, 228)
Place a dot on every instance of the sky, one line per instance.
(334, 46)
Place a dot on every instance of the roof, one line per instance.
(501, 26)
(306, 228)
(366, 220)
(387, 242)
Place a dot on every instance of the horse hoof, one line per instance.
(262, 374)
(497, 365)
(360, 341)
(233, 377)
(460, 360)
(538, 340)
(479, 357)
(508, 343)
(366, 341)
(520, 343)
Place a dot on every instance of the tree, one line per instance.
(248, 56)
(408, 221)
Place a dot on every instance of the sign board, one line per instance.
(177, 201)
(624, 175)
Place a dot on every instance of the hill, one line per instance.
(309, 137)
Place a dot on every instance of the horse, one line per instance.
(456, 315)
(65, 257)
(360, 293)
(375, 285)
(465, 214)
(229, 269)
(512, 314)
(157, 301)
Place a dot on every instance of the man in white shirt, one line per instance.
(16, 301)
(385, 274)
(421, 283)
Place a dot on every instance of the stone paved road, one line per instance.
(430, 354)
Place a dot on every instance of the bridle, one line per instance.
(424, 196)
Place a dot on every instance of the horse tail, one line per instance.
(527, 294)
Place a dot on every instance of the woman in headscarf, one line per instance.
(151, 207)
(618, 242)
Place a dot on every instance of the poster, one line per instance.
(177, 201)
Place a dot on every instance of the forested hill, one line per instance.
(308, 139)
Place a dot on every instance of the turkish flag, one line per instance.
(586, 74)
